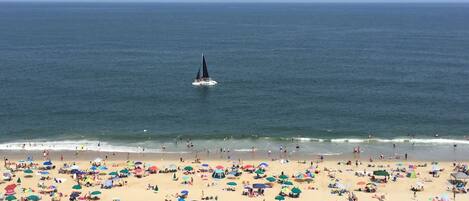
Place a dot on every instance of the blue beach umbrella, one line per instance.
(47, 163)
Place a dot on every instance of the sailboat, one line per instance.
(205, 79)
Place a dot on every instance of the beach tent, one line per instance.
(459, 176)
(218, 174)
(7, 175)
(108, 184)
(412, 175)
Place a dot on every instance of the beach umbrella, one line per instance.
(96, 193)
(270, 179)
(113, 173)
(185, 178)
(98, 160)
(10, 187)
(300, 175)
(219, 167)
(287, 183)
(263, 164)
(248, 166)
(102, 168)
(279, 197)
(283, 177)
(33, 198)
(259, 186)
(138, 163)
(124, 171)
(380, 173)
(28, 171)
(153, 168)
(188, 168)
(76, 187)
(361, 183)
(184, 192)
(231, 183)
(296, 190)
(10, 198)
(43, 172)
(47, 163)
(259, 171)
(74, 167)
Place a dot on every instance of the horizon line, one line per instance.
(247, 1)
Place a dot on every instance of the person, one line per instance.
(405, 155)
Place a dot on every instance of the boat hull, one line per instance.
(204, 83)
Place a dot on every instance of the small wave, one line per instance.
(81, 145)
(244, 150)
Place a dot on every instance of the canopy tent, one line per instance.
(459, 176)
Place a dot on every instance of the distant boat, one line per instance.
(205, 80)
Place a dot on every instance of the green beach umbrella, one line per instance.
(259, 171)
(33, 198)
(95, 193)
(296, 190)
(76, 187)
(124, 171)
(231, 183)
(28, 171)
(113, 173)
(380, 173)
(188, 168)
(279, 197)
(287, 183)
(270, 179)
(10, 198)
(283, 176)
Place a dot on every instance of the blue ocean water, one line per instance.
(122, 71)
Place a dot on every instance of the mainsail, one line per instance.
(204, 68)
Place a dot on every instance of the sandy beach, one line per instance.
(331, 179)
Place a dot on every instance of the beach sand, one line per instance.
(136, 188)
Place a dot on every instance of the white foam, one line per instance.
(80, 145)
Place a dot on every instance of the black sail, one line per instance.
(204, 68)
(198, 75)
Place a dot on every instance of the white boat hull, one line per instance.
(204, 83)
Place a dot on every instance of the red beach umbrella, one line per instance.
(10, 187)
(219, 167)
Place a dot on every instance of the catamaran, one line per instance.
(205, 80)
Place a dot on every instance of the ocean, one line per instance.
(325, 75)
